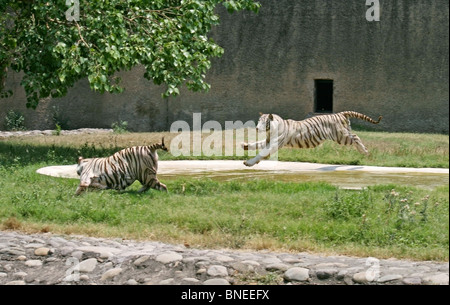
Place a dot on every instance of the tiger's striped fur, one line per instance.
(121, 169)
(308, 133)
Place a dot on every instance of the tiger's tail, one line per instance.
(357, 115)
(161, 146)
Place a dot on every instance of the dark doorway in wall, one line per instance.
(323, 95)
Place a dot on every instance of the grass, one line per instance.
(386, 149)
(382, 221)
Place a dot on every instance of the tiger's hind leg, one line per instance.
(95, 183)
(143, 189)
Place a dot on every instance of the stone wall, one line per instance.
(397, 67)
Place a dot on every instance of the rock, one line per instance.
(43, 251)
(217, 270)
(292, 260)
(38, 240)
(110, 274)
(77, 254)
(88, 260)
(251, 263)
(242, 268)
(16, 283)
(167, 258)
(20, 275)
(341, 274)
(330, 265)
(108, 265)
(216, 282)
(277, 267)
(361, 278)
(65, 251)
(22, 258)
(297, 274)
(224, 258)
(271, 260)
(13, 251)
(141, 260)
(33, 263)
(190, 280)
(444, 268)
(34, 245)
(103, 252)
(390, 278)
(348, 280)
(57, 241)
(323, 274)
(87, 266)
(132, 282)
(202, 264)
(167, 282)
(412, 281)
(436, 279)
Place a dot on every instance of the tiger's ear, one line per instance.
(162, 141)
(260, 114)
(271, 117)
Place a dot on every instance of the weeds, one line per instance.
(58, 129)
(11, 224)
(345, 206)
(14, 121)
(237, 235)
(406, 209)
(120, 127)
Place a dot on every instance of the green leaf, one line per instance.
(169, 38)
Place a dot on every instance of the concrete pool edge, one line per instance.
(198, 166)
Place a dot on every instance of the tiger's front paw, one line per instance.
(162, 187)
(249, 163)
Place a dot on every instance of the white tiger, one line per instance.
(121, 169)
(307, 133)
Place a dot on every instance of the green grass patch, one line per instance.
(386, 149)
(382, 221)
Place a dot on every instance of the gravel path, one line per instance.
(55, 259)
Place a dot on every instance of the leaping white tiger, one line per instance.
(307, 133)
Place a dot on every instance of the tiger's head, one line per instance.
(267, 122)
(80, 165)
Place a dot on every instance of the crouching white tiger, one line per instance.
(307, 133)
(121, 169)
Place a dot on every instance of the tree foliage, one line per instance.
(169, 38)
